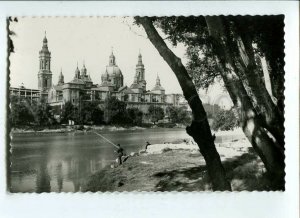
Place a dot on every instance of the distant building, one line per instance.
(24, 93)
(82, 88)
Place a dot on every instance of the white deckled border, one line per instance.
(203, 204)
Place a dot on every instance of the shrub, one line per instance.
(225, 120)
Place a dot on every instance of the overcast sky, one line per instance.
(89, 40)
(73, 40)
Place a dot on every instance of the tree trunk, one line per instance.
(271, 115)
(199, 129)
(269, 151)
(241, 51)
(277, 81)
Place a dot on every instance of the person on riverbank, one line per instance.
(147, 144)
(120, 153)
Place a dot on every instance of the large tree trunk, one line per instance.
(199, 128)
(270, 113)
(241, 51)
(269, 151)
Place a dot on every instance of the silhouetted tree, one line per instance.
(156, 113)
(91, 113)
(134, 116)
(228, 49)
(20, 112)
(42, 114)
(69, 112)
(114, 111)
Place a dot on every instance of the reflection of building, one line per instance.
(82, 88)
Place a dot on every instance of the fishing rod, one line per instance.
(106, 139)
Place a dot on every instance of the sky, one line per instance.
(90, 40)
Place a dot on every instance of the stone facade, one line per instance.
(82, 88)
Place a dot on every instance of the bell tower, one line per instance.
(45, 74)
(140, 72)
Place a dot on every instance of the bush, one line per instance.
(114, 111)
(134, 116)
(166, 150)
(156, 113)
(178, 115)
(225, 120)
(166, 125)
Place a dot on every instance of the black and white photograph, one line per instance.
(155, 104)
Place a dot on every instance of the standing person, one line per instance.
(120, 153)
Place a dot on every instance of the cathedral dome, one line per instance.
(113, 70)
(158, 88)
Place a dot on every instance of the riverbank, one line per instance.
(180, 167)
(76, 128)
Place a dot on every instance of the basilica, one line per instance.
(81, 87)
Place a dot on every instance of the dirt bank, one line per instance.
(169, 167)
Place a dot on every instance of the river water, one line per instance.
(61, 162)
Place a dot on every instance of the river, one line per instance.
(61, 162)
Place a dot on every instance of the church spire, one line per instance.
(112, 58)
(157, 81)
(83, 70)
(77, 73)
(140, 61)
(61, 78)
(158, 88)
(45, 43)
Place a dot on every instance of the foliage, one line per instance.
(225, 120)
(91, 113)
(225, 43)
(265, 32)
(23, 112)
(20, 113)
(202, 67)
(134, 116)
(178, 114)
(69, 112)
(156, 113)
(166, 125)
(114, 111)
(84, 95)
(43, 114)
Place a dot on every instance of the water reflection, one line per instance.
(59, 175)
(63, 162)
(43, 178)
